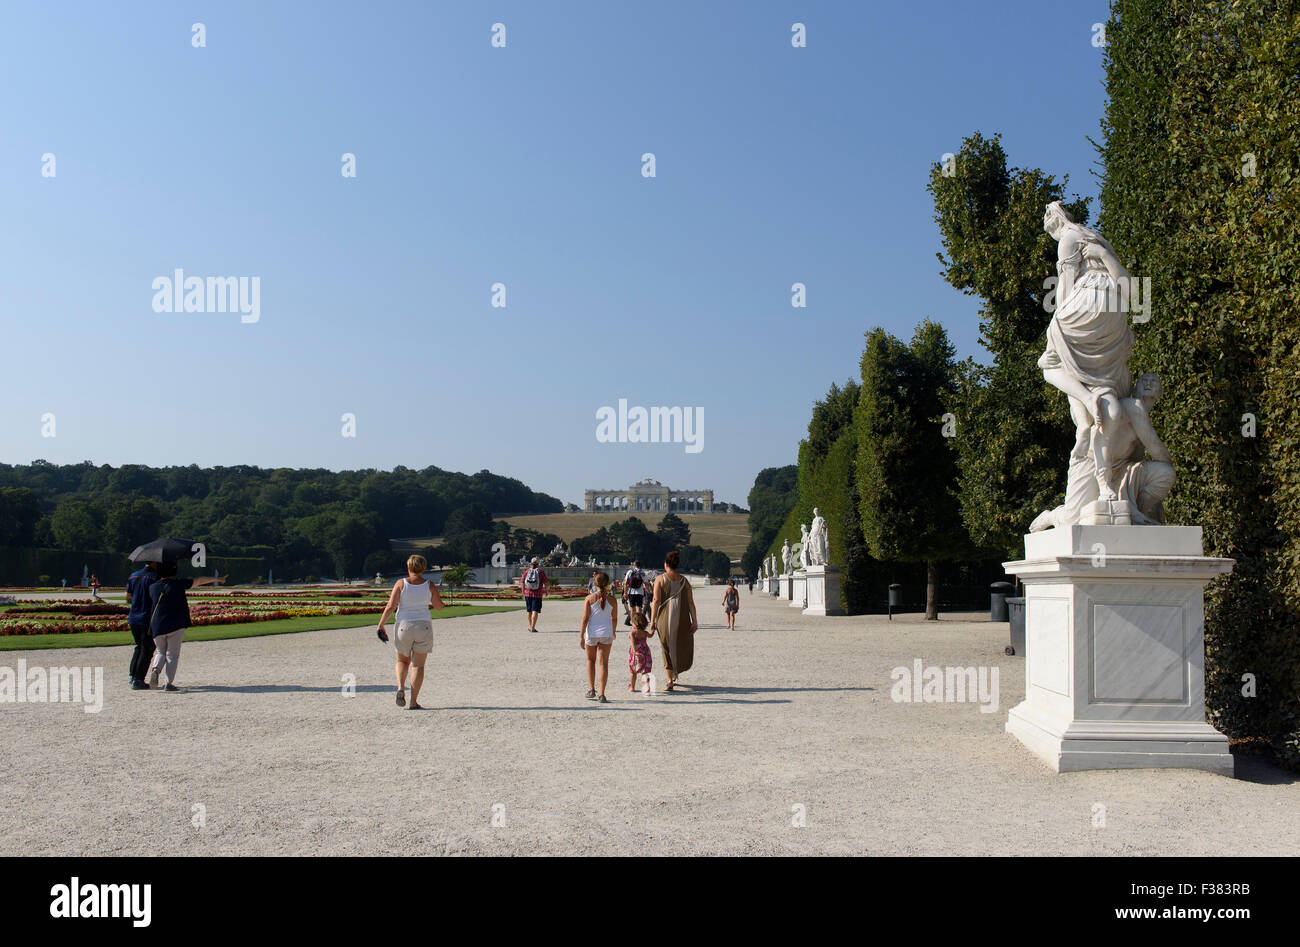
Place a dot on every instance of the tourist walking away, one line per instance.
(634, 590)
(169, 617)
(411, 599)
(731, 603)
(673, 614)
(596, 635)
(638, 652)
(137, 595)
(94, 588)
(533, 582)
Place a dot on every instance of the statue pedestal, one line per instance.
(1115, 633)
(823, 591)
(799, 592)
(787, 587)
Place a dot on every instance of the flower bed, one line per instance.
(71, 617)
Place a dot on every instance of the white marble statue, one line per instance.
(1088, 346)
(803, 547)
(786, 556)
(818, 541)
(1141, 482)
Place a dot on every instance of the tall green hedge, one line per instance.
(826, 483)
(1201, 193)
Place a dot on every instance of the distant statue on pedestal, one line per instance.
(785, 557)
(818, 541)
(803, 547)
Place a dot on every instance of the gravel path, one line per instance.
(785, 712)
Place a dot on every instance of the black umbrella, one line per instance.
(164, 550)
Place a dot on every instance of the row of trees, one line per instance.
(298, 522)
(630, 539)
(925, 459)
(770, 501)
(878, 466)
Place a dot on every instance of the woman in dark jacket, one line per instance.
(168, 619)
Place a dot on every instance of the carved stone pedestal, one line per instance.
(823, 591)
(1114, 625)
(799, 590)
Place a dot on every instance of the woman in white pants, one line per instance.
(411, 599)
(169, 616)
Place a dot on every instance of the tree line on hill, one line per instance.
(470, 534)
(630, 539)
(298, 523)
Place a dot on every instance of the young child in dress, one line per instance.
(638, 652)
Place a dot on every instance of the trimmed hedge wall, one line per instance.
(1201, 193)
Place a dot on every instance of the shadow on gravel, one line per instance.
(711, 689)
(674, 699)
(585, 705)
(285, 688)
(1256, 768)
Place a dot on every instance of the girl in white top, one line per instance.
(412, 598)
(599, 618)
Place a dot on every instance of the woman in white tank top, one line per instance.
(411, 599)
(599, 618)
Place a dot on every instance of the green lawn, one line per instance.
(285, 626)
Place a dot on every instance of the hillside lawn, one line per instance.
(726, 532)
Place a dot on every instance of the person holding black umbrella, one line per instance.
(137, 595)
(169, 618)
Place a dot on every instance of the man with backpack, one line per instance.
(634, 590)
(533, 582)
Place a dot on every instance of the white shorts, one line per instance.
(413, 637)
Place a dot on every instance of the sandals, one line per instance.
(415, 706)
(401, 698)
(591, 695)
(601, 699)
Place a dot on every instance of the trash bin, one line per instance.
(1016, 615)
(998, 593)
(895, 597)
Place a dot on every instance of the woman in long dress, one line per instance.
(673, 613)
(1088, 339)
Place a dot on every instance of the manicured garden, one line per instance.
(78, 623)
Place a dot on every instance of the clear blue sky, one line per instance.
(477, 165)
